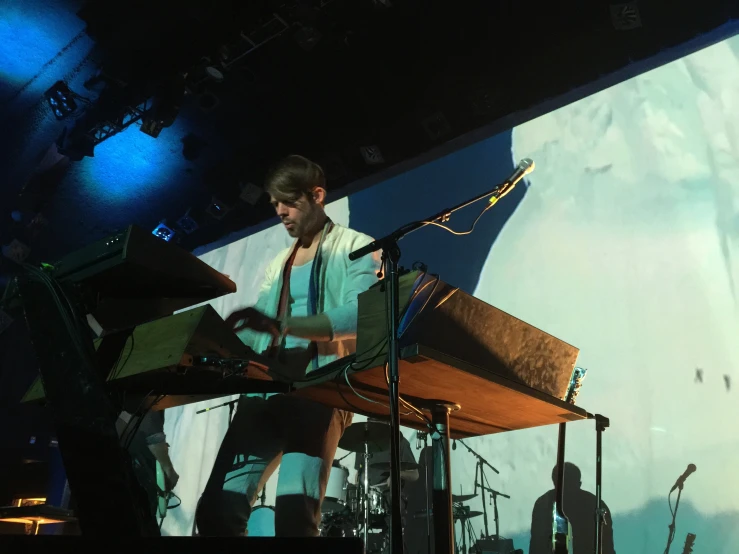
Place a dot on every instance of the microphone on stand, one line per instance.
(681, 480)
(523, 168)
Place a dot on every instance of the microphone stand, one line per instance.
(495, 494)
(601, 424)
(671, 532)
(391, 259)
(479, 466)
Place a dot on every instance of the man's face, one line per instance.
(299, 216)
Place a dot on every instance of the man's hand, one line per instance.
(251, 318)
(171, 477)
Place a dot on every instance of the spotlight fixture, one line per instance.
(165, 106)
(61, 100)
(372, 155)
(16, 251)
(151, 127)
(250, 193)
(76, 145)
(163, 232)
(187, 223)
(217, 209)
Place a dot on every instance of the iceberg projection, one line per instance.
(625, 244)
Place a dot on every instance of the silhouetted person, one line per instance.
(579, 507)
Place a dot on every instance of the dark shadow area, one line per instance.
(579, 506)
(645, 531)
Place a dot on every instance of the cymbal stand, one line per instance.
(494, 496)
(480, 468)
(427, 477)
(365, 531)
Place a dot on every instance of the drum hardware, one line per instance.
(404, 466)
(367, 436)
(335, 499)
(457, 498)
(261, 522)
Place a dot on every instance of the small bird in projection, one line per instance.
(727, 382)
(698, 375)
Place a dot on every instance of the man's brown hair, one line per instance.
(293, 177)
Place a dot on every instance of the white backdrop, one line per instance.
(625, 245)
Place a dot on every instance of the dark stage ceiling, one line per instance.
(368, 88)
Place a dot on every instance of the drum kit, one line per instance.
(361, 509)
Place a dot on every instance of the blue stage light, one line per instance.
(61, 100)
(187, 223)
(163, 232)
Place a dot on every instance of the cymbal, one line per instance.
(404, 466)
(462, 497)
(467, 515)
(377, 436)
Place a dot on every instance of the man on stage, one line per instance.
(306, 317)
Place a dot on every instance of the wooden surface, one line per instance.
(451, 321)
(489, 403)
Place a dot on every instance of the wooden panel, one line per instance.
(457, 324)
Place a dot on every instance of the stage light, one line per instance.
(165, 106)
(207, 101)
(372, 155)
(76, 146)
(152, 127)
(163, 232)
(187, 223)
(217, 209)
(250, 193)
(16, 251)
(61, 100)
(307, 37)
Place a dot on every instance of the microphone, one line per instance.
(454, 444)
(681, 480)
(523, 168)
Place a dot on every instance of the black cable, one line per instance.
(176, 505)
(430, 296)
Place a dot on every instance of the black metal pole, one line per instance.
(392, 258)
(495, 515)
(442, 492)
(601, 423)
(484, 504)
(428, 477)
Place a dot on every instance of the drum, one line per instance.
(335, 498)
(261, 522)
(338, 525)
(377, 503)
